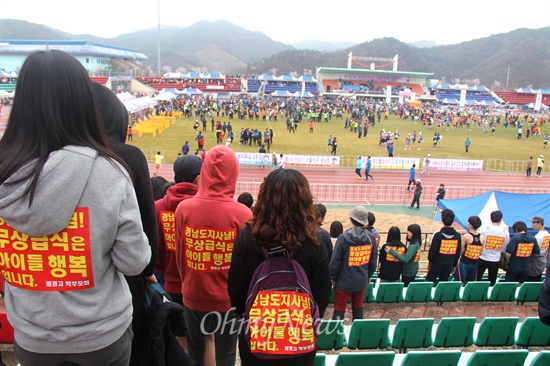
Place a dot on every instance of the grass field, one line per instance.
(502, 145)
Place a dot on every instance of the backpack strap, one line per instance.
(277, 252)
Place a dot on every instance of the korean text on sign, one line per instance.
(473, 251)
(280, 322)
(359, 255)
(494, 242)
(448, 246)
(167, 222)
(208, 249)
(57, 262)
(524, 250)
(399, 250)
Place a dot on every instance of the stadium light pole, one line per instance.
(158, 38)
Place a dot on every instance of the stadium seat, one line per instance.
(542, 359)
(454, 332)
(369, 293)
(320, 359)
(389, 292)
(528, 292)
(6, 332)
(532, 332)
(369, 334)
(503, 291)
(431, 358)
(365, 358)
(475, 291)
(496, 331)
(419, 292)
(411, 333)
(498, 358)
(331, 335)
(447, 291)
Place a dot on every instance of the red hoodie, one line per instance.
(166, 208)
(206, 228)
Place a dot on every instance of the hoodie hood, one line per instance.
(64, 176)
(357, 236)
(177, 193)
(219, 173)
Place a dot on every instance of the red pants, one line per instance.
(341, 299)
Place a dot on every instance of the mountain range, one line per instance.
(520, 58)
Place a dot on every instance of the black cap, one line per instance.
(187, 168)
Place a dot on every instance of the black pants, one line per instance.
(493, 270)
(416, 199)
(438, 272)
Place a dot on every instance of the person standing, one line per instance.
(130, 133)
(472, 245)
(467, 144)
(426, 165)
(321, 212)
(519, 250)
(58, 186)
(334, 146)
(329, 143)
(368, 166)
(444, 249)
(158, 158)
(496, 240)
(412, 256)
(540, 165)
(284, 216)
(416, 195)
(390, 149)
(205, 229)
(391, 268)
(281, 162)
(529, 166)
(440, 194)
(352, 264)
(358, 166)
(412, 173)
(537, 262)
(185, 148)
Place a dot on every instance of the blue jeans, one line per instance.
(466, 272)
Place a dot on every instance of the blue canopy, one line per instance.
(514, 207)
(267, 77)
(286, 78)
(193, 75)
(307, 78)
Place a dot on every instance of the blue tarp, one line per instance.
(514, 207)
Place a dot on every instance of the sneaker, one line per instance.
(358, 177)
(418, 208)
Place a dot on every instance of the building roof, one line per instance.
(373, 72)
(74, 48)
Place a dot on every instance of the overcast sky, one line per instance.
(291, 21)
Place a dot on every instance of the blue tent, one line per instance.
(514, 207)
(307, 78)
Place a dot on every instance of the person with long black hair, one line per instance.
(411, 256)
(69, 203)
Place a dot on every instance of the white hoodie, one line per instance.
(80, 320)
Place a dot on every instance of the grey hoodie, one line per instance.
(81, 320)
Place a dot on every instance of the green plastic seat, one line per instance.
(389, 292)
(365, 358)
(454, 332)
(498, 358)
(542, 359)
(320, 359)
(412, 333)
(419, 292)
(331, 335)
(369, 293)
(503, 291)
(431, 358)
(532, 332)
(496, 331)
(369, 334)
(529, 292)
(475, 291)
(447, 291)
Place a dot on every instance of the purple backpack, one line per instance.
(281, 315)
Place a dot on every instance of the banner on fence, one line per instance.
(383, 162)
(290, 160)
(456, 165)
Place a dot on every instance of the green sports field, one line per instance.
(502, 145)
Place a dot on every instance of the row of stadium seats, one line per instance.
(437, 358)
(450, 291)
(365, 334)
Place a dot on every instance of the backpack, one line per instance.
(281, 315)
